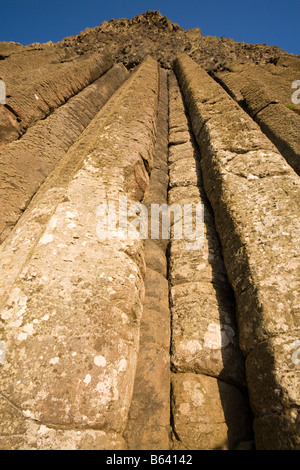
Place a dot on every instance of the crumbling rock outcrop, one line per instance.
(151, 33)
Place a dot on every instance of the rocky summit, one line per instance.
(129, 41)
(149, 242)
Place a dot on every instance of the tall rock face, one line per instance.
(119, 330)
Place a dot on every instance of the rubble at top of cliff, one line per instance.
(151, 33)
(129, 41)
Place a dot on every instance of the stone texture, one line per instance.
(41, 437)
(287, 439)
(25, 164)
(204, 336)
(266, 93)
(18, 244)
(255, 198)
(148, 425)
(274, 368)
(81, 373)
(36, 95)
(17, 60)
(208, 414)
(276, 77)
(91, 328)
(9, 126)
(129, 40)
(204, 330)
(280, 124)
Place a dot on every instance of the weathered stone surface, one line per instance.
(278, 122)
(178, 152)
(9, 126)
(288, 438)
(151, 33)
(203, 265)
(208, 413)
(184, 173)
(25, 164)
(184, 195)
(14, 425)
(18, 245)
(18, 62)
(204, 337)
(252, 176)
(276, 78)
(148, 425)
(266, 92)
(255, 197)
(155, 257)
(290, 61)
(49, 88)
(8, 48)
(257, 97)
(85, 322)
(204, 332)
(274, 368)
(81, 373)
(232, 83)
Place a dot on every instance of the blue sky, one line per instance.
(272, 22)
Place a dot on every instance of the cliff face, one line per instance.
(161, 341)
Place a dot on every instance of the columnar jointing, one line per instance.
(255, 196)
(209, 404)
(265, 92)
(71, 319)
(280, 124)
(26, 163)
(45, 90)
(18, 245)
(86, 320)
(149, 418)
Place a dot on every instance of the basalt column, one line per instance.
(70, 316)
(255, 196)
(209, 401)
(149, 418)
(280, 124)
